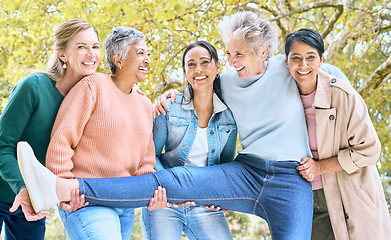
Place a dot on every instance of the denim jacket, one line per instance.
(175, 133)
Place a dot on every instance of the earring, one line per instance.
(64, 66)
(120, 67)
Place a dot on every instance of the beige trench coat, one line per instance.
(355, 197)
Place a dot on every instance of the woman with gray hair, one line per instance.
(98, 121)
(263, 179)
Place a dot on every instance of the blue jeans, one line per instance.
(273, 190)
(196, 222)
(97, 222)
(17, 227)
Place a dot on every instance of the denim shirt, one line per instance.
(175, 133)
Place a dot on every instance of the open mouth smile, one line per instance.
(143, 69)
(239, 69)
(200, 78)
(90, 64)
(303, 73)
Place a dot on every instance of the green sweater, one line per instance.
(28, 116)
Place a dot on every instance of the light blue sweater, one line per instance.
(269, 113)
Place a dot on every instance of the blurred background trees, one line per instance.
(356, 32)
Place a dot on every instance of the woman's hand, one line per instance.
(309, 168)
(77, 201)
(23, 200)
(159, 199)
(184, 204)
(216, 209)
(138, 90)
(161, 103)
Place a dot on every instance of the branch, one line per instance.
(376, 78)
(270, 10)
(288, 4)
(382, 28)
(384, 16)
(266, 8)
(169, 84)
(169, 61)
(306, 8)
(203, 15)
(332, 22)
(346, 34)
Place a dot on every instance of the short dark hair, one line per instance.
(306, 35)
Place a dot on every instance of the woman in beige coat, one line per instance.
(344, 145)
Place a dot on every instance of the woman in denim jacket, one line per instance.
(198, 131)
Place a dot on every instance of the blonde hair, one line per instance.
(254, 28)
(63, 33)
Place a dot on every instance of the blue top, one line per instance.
(28, 116)
(176, 131)
(268, 112)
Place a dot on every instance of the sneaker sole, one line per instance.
(24, 155)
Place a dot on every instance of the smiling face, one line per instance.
(200, 69)
(137, 61)
(304, 62)
(82, 54)
(245, 62)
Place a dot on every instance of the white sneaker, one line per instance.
(40, 181)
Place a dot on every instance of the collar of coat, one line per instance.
(324, 89)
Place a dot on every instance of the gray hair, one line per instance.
(254, 28)
(119, 43)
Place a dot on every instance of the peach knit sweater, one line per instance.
(102, 132)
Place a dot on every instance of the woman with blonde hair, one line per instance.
(29, 116)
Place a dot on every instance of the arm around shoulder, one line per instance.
(71, 119)
(333, 70)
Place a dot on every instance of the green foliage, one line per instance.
(137, 232)
(54, 226)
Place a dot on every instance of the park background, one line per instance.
(357, 36)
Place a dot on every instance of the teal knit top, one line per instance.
(28, 116)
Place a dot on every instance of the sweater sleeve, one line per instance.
(13, 121)
(364, 145)
(148, 163)
(67, 131)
